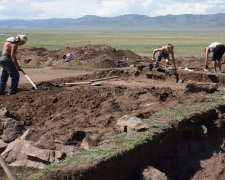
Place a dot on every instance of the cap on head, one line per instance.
(22, 37)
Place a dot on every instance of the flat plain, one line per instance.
(187, 43)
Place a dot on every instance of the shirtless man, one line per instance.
(10, 66)
(164, 52)
(218, 50)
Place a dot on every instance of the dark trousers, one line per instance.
(8, 69)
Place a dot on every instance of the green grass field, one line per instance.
(187, 43)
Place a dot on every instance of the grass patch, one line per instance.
(49, 169)
(187, 43)
(92, 155)
(158, 125)
(25, 176)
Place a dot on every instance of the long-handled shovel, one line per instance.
(29, 79)
(6, 169)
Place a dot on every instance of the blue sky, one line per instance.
(45, 9)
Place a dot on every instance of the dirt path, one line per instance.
(48, 73)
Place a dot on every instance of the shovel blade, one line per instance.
(97, 83)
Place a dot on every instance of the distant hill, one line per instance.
(129, 21)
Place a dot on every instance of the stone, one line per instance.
(151, 173)
(4, 113)
(92, 139)
(46, 141)
(3, 145)
(129, 123)
(12, 130)
(84, 144)
(22, 153)
(69, 150)
(27, 163)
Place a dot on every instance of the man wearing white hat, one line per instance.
(10, 66)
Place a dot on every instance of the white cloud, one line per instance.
(111, 7)
(182, 8)
(77, 8)
(146, 3)
(2, 4)
(36, 9)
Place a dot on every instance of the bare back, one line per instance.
(10, 49)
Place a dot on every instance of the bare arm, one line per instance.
(207, 51)
(13, 56)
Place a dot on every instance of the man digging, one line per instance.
(164, 52)
(10, 66)
(218, 50)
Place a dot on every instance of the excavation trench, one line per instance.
(184, 76)
(61, 112)
(178, 152)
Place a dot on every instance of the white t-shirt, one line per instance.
(213, 46)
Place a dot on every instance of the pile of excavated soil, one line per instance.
(101, 56)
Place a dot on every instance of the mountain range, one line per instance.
(129, 21)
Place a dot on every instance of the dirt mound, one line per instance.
(100, 56)
(128, 54)
(191, 62)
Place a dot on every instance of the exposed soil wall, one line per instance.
(177, 152)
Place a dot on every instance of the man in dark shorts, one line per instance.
(10, 66)
(218, 50)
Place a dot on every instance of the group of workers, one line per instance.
(217, 48)
(10, 66)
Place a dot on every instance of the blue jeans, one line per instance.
(161, 55)
(8, 69)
